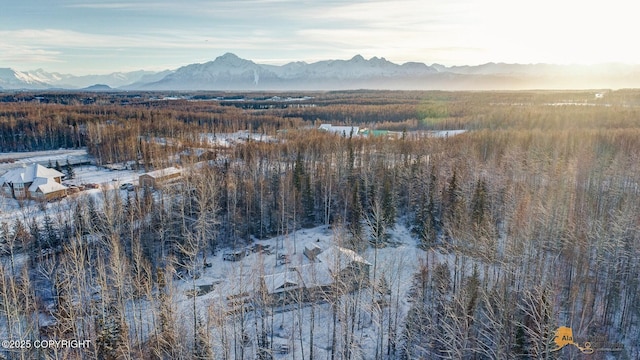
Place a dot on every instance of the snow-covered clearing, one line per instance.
(232, 139)
(91, 174)
(226, 280)
(13, 160)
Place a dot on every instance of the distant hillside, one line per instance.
(98, 87)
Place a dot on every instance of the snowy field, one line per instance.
(13, 160)
(91, 174)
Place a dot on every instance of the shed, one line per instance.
(156, 178)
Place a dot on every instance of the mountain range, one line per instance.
(229, 72)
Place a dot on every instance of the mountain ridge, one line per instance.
(230, 72)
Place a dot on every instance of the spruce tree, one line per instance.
(201, 348)
(388, 203)
(36, 236)
(21, 234)
(428, 226)
(69, 169)
(453, 198)
(308, 203)
(79, 226)
(50, 232)
(354, 219)
(479, 203)
(167, 337)
(110, 333)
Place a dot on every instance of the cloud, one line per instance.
(68, 39)
(156, 32)
(115, 5)
(26, 54)
(154, 49)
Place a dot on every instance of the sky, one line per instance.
(104, 36)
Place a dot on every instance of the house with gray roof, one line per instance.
(33, 181)
(335, 269)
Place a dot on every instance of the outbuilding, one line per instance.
(156, 178)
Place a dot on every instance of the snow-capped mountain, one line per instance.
(47, 77)
(11, 79)
(355, 68)
(230, 72)
(114, 80)
(226, 72)
(41, 79)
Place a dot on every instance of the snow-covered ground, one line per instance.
(445, 133)
(13, 160)
(231, 139)
(91, 174)
(224, 279)
(402, 256)
(11, 209)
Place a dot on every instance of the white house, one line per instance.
(33, 181)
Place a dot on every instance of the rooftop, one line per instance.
(163, 172)
(46, 185)
(29, 173)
